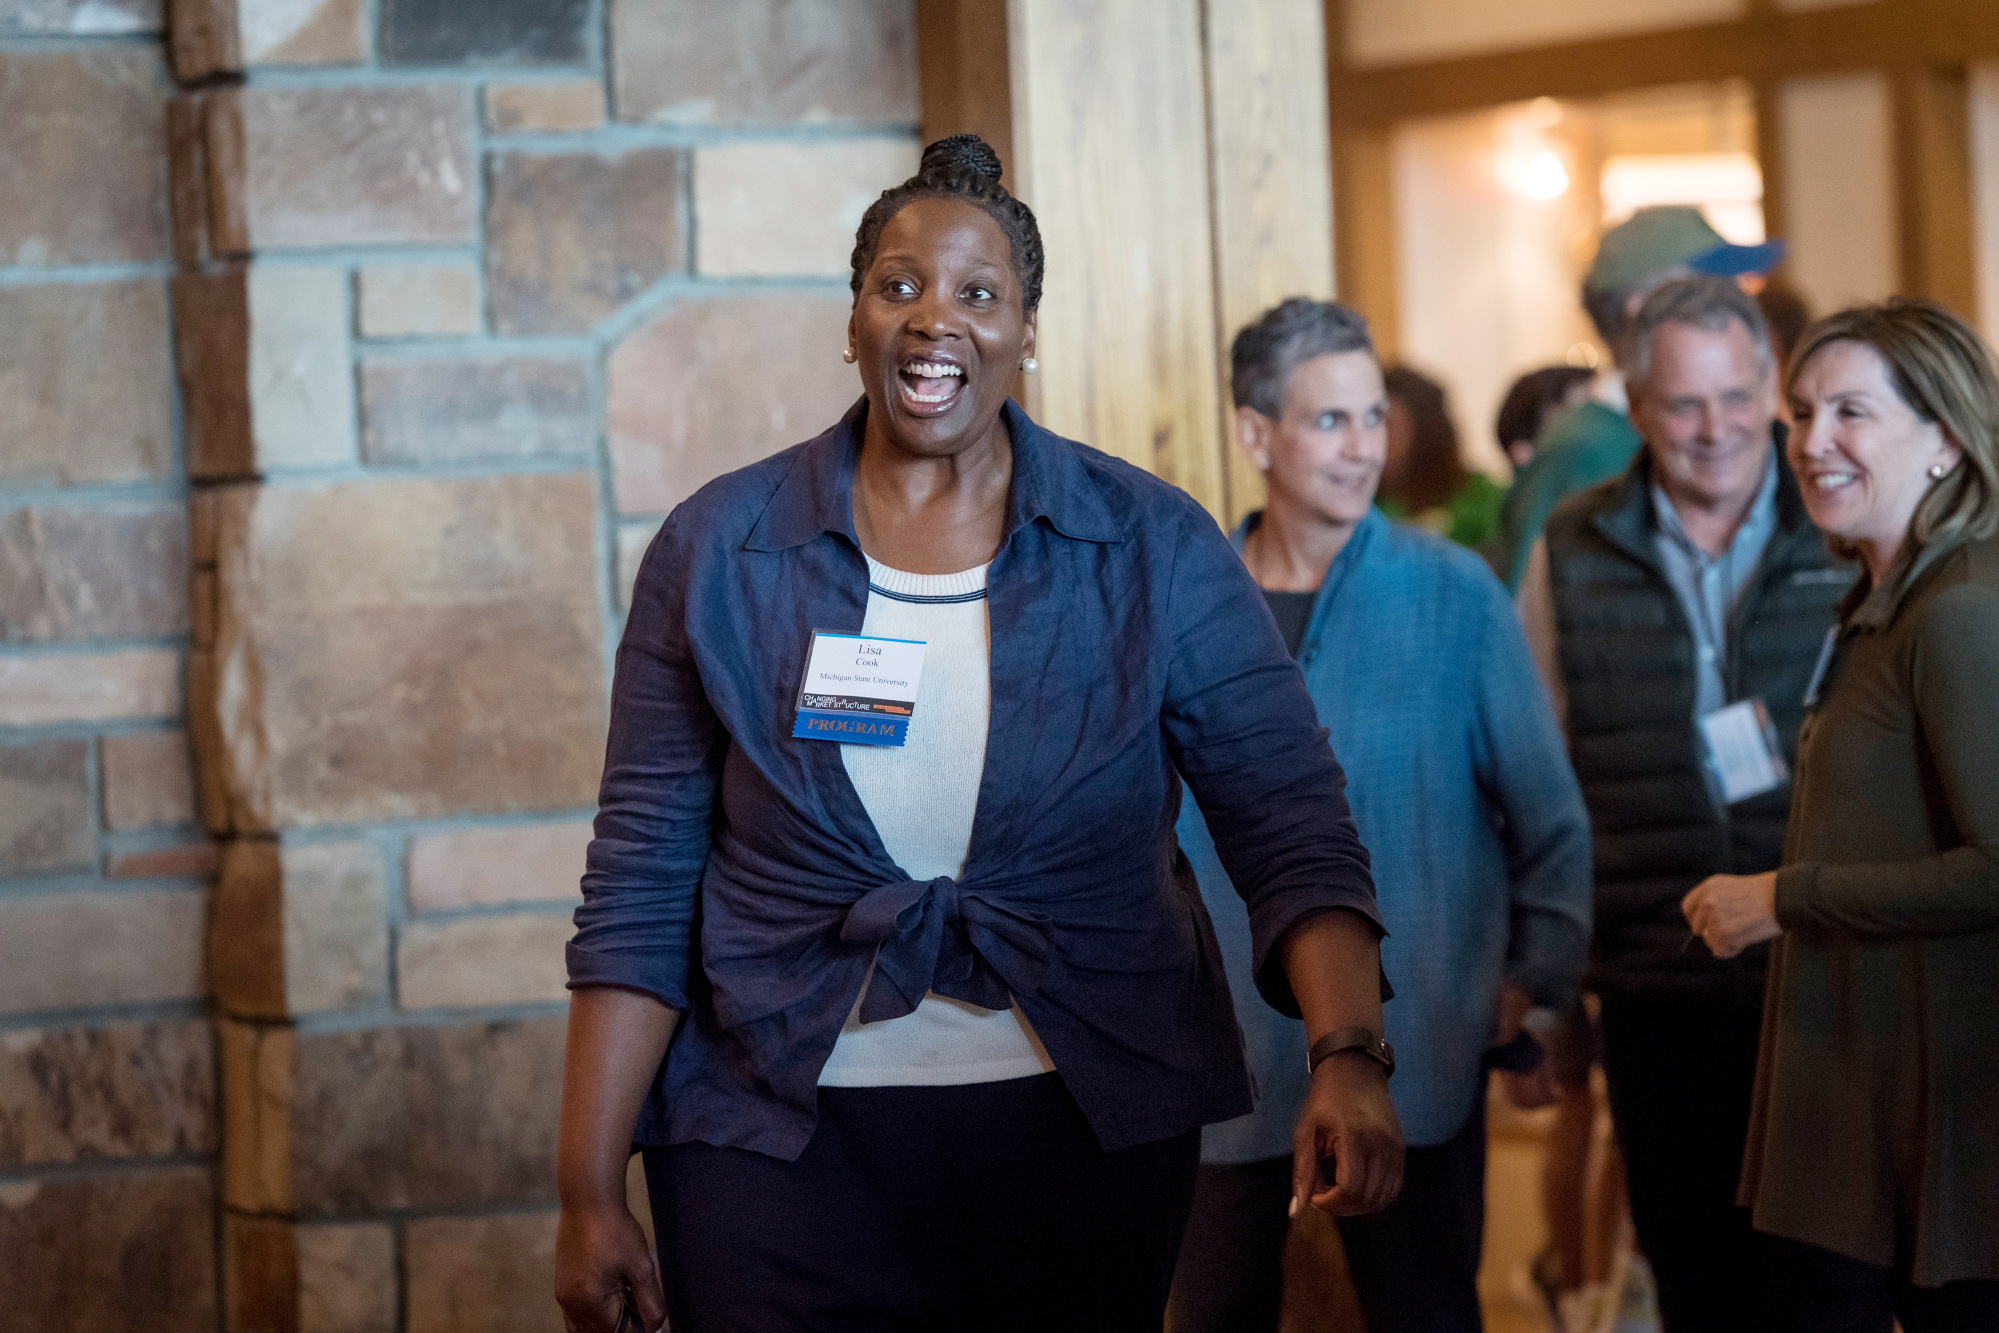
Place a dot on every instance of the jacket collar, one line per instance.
(1872, 607)
(1372, 525)
(1049, 481)
(1363, 531)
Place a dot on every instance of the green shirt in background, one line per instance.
(1587, 444)
(1470, 518)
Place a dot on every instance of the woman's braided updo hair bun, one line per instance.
(962, 167)
(964, 157)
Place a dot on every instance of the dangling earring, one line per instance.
(1938, 471)
(1030, 365)
(849, 356)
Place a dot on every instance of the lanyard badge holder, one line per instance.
(858, 690)
(1743, 752)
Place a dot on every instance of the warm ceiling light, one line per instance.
(1545, 177)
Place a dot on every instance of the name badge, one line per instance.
(1742, 750)
(858, 690)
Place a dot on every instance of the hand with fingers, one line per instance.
(1349, 1124)
(605, 1279)
(1732, 912)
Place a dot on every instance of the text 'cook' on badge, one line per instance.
(858, 690)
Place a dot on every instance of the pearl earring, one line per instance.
(849, 356)
(1939, 471)
(1030, 365)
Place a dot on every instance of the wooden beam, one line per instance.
(1111, 150)
(1364, 232)
(1270, 166)
(1769, 154)
(1934, 188)
(961, 61)
(1837, 173)
(1764, 45)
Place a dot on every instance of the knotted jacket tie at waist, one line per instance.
(936, 936)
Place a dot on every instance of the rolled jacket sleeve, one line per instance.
(661, 764)
(1242, 731)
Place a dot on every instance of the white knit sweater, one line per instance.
(922, 797)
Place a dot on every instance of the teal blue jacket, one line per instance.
(1460, 784)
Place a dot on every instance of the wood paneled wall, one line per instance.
(1933, 175)
(1176, 155)
(1271, 176)
(1874, 198)
(1111, 150)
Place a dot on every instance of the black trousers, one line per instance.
(1814, 1290)
(1231, 1273)
(1681, 1074)
(1414, 1265)
(987, 1207)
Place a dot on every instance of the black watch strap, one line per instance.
(1365, 1040)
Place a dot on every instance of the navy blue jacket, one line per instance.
(735, 875)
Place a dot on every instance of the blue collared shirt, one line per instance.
(1461, 786)
(735, 875)
(1709, 586)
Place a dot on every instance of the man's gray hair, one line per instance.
(1705, 302)
(1285, 337)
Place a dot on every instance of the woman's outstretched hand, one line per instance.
(601, 1261)
(1349, 1120)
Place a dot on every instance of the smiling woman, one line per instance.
(954, 1015)
(1872, 1152)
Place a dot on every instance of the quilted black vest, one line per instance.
(1627, 657)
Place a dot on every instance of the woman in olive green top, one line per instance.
(1873, 1153)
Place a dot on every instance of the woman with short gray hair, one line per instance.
(1463, 795)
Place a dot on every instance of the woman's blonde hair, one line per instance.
(1945, 373)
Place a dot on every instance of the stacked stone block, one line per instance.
(108, 1092)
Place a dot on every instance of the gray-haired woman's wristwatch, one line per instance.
(1365, 1040)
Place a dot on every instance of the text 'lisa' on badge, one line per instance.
(858, 690)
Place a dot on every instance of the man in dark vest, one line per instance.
(1678, 613)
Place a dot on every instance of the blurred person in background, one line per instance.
(1596, 441)
(1679, 611)
(1787, 315)
(1531, 402)
(1461, 790)
(1425, 480)
(1874, 1146)
(1582, 1278)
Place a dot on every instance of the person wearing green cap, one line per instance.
(1594, 441)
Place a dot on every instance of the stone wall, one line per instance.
(350, 352)
(108, 1089)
